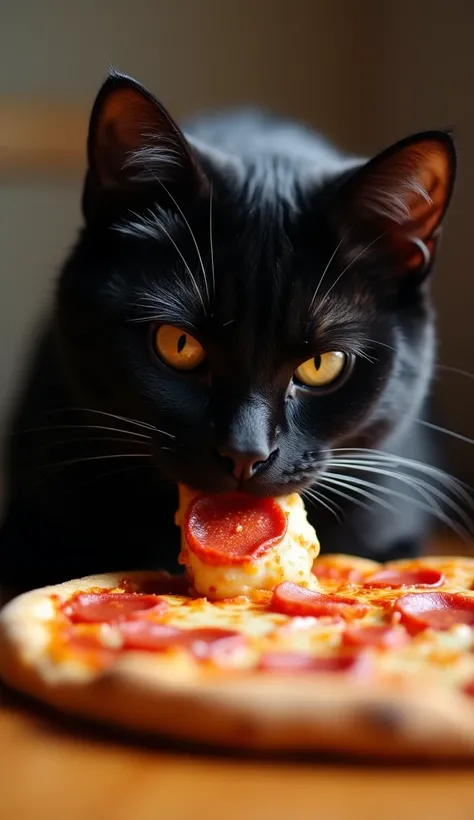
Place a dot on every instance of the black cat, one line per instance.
(244, 307)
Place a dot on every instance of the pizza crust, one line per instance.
(244, 710)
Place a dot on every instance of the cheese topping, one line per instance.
(290, 559)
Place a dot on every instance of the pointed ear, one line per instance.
(402, 196)
(134, 141)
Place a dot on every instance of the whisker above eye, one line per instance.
(154, 216)
(362, 355)
(181, 212)
(382, 344)
(328, 266)
(352, 262)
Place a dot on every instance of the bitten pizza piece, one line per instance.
(233, 543)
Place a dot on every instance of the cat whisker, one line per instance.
(381, 344)
(389, 458)
(357, 501)
(380, 468)
(138, 319)
(444, 430)
(422, 487)
(72, 461)
(162, 305)
(126, 419)
(181, 212)
(154, 216)
(343, 480)
(362, 355)
(352, 262)
(328, 266)
(353, 485)
(82, 427)
(211, 242)
(317, 498)
(93, 440)
(458, 370)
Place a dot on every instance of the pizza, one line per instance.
(260, 643)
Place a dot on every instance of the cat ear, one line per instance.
(400, 197)
(134, 141)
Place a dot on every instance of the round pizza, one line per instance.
(259, 643)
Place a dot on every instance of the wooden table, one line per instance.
(58, 770)
(49, 771)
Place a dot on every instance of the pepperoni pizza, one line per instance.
(259, 644)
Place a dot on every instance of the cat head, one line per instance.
(258, 299)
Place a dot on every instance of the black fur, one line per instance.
(282, 201)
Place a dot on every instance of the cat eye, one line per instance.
(321, 370)
(177, 348)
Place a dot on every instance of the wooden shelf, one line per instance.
(42, 138)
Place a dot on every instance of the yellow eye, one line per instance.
(321, 370)
(177, 348)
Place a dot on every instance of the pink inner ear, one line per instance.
(402, 195)
(135, 140)
(119, 132)
(407, 191)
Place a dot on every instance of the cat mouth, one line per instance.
(257, 486)
(209, 476)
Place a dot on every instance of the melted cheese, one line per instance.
(444, 656)
(290, 560)
(447, 655)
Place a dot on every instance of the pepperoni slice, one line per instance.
(435, 610)
(301, 662)
(468, 688)
(110, 607)
(418, 577)
(204, 643)
(378, 636)
(233, 528)
(336, 573)
(293, 599)
(148, 636)
(208, 643)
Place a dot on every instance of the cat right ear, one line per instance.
(133, 141)
(397, 201)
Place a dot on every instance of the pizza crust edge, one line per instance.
(247, 711)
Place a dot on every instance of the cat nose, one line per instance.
(245, 465)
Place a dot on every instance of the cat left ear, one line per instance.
(401, 197)
(134, 141)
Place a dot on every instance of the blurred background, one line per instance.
(365, 73)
